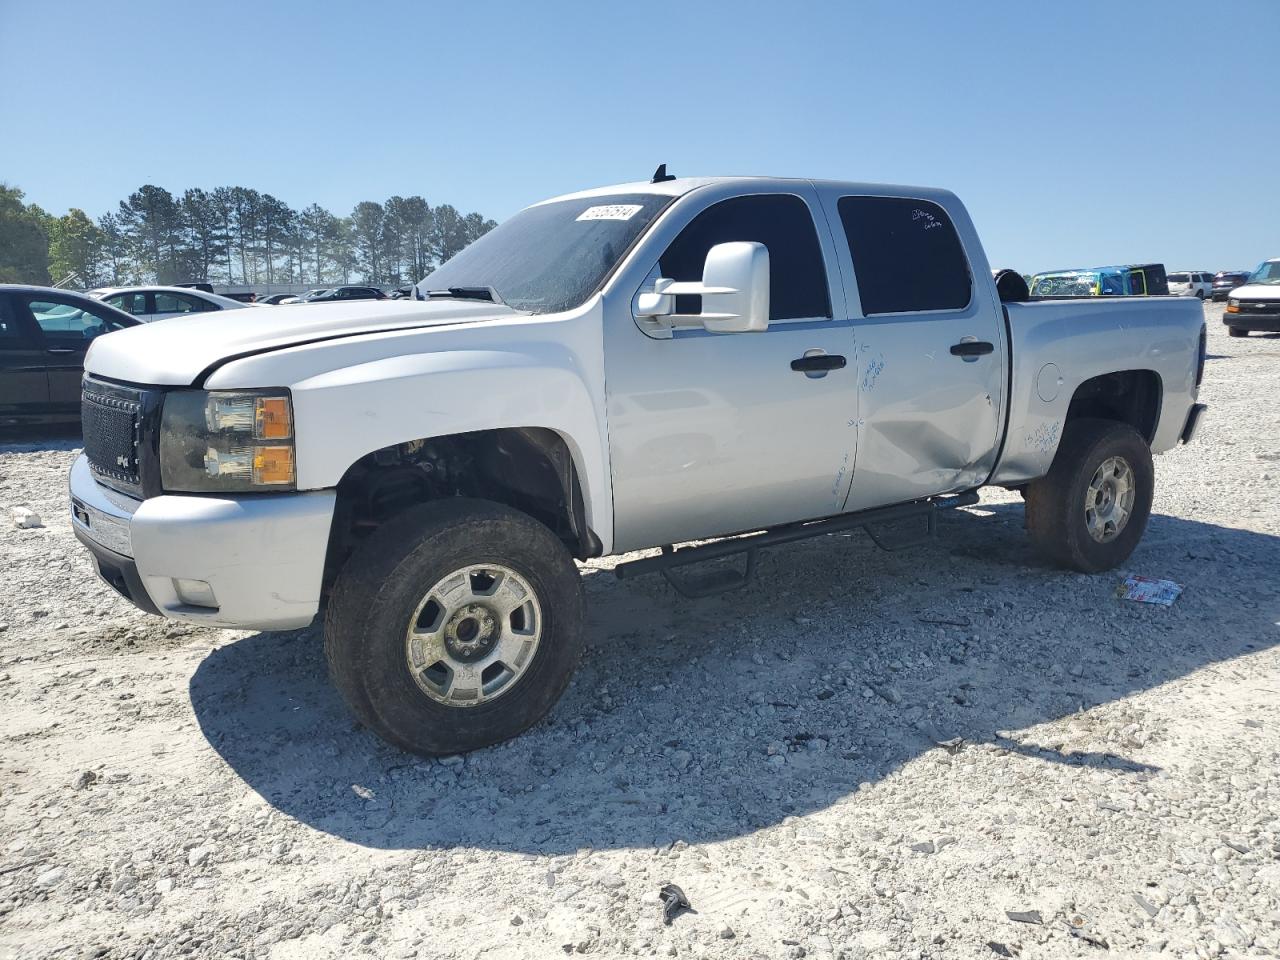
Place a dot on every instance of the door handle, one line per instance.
(818, 363)
(972, 348)
(61, 350)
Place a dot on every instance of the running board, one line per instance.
(721, 581)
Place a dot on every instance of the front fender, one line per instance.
(376, 393)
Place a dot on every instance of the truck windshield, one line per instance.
(552, 256)
(1268, 272)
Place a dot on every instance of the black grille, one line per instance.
(1257, 306)
(109, 418)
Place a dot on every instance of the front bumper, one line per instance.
(1247, 320)
(261, 556)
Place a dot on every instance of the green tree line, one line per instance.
(231, 235)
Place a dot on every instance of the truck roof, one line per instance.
(679, 186)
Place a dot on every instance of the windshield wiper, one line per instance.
(463, 293)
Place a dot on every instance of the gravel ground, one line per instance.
(787, 755)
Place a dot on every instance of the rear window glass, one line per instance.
(1178, 278)
(906, 255)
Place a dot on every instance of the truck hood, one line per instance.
(1257, 291)
(179, 350)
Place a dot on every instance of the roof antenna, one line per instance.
(660, 175)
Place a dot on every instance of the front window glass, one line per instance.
(68, 321)
(782, 222)
(1268, 272)
(551, 257)
(134, 303)
(8, 325)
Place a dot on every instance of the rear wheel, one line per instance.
(455, 627)
(1237, 332)
(1090, 510)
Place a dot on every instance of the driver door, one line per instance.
(718, 433)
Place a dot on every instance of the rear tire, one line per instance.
(1090, 510)
(1237, 332)
(455, 626)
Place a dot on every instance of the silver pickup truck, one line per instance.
(742, 360)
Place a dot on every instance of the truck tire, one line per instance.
(1090, 510)
(455, 626)
(1237, 332)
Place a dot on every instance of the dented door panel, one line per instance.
(929, 421)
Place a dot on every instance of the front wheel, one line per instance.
(454, 627)
(1090, 510)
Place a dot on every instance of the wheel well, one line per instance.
(1130, 396)
(528, 468)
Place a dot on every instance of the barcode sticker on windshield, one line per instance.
(610, 211)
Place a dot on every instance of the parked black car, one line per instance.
(348, 293)
(273, 298)
(44, 335)
(1227, 280)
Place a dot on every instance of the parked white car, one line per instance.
(159, 303)
(635, 366)
(1191, 283)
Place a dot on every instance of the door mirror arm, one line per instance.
(735, 278)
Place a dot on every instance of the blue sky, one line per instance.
(1076, 133)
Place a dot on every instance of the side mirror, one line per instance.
(736, 279)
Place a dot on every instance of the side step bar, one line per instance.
(724, 580)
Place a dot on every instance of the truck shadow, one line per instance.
(840, 663)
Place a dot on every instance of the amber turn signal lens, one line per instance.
(273, 465)
(272, 418)
(1233, 309)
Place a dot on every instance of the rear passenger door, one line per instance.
(24, 386)
(930, 349)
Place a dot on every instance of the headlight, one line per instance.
(1233, 305)
(227, 441)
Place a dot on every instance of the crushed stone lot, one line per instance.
(950, 751)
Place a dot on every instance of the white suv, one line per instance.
(1191, 284)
